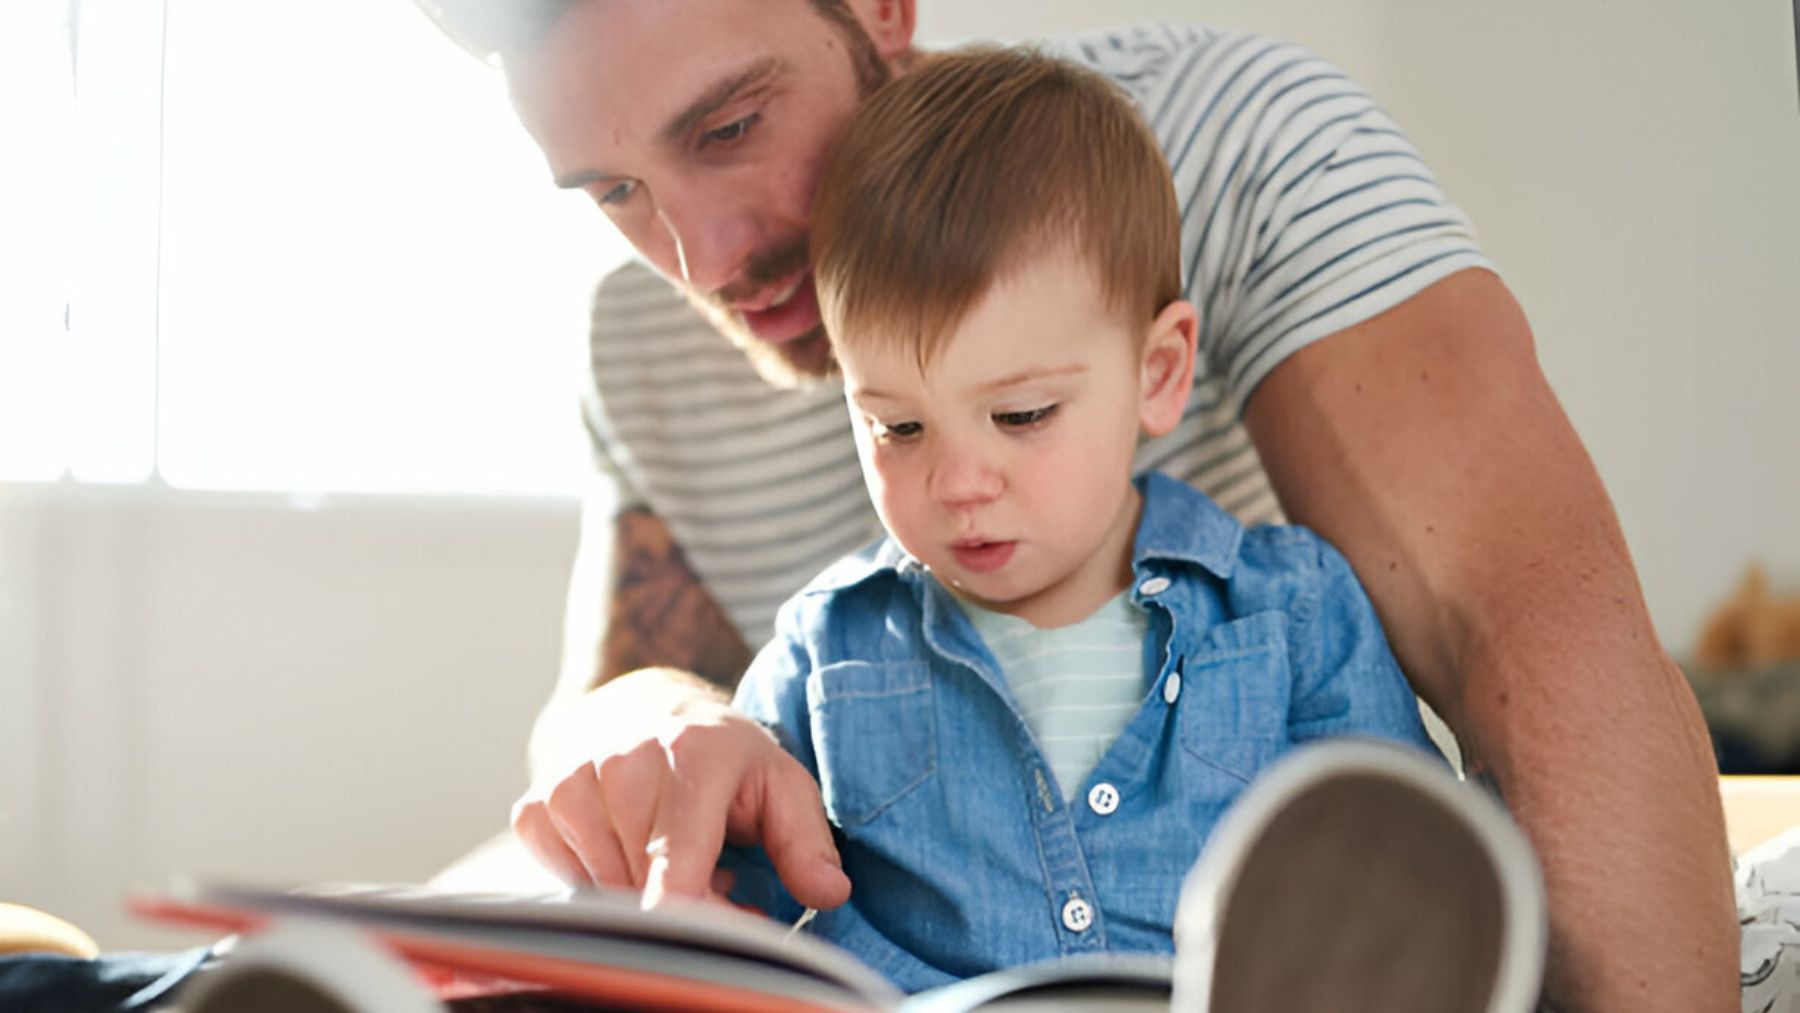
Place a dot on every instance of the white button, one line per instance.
(1077, 916)
(1103, 798)
(1172, 687)
(1155, 585)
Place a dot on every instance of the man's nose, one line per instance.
(963, 476)
(714, 232)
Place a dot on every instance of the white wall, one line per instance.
(220, 684)
(232, 685)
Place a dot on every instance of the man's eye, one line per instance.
(1021, 420)
(733, 131)
(617, 194)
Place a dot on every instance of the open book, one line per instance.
(1343, 826)
(601, 947)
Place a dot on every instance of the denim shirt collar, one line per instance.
(1178, 523)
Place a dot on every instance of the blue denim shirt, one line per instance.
(962, 855)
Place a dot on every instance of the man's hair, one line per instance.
(968, 166)
(490, 29)
(496, 29)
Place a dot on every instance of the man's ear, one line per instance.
(1168, 367)
(889, 23)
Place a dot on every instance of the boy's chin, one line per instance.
(992, 599)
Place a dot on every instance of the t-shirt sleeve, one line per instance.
(610, 479)
(609, 318)
(1305, 209)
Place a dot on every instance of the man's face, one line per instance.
(1004, 465)
(700, 127)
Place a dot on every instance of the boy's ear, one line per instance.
(889, 23)
(1168, 367)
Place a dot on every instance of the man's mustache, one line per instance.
(765, 268)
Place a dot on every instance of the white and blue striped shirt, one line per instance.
(1305, 211)
(1076, 686)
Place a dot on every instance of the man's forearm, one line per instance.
(661, 615)
(634, 604)
(1596, 744)
(1563, 692)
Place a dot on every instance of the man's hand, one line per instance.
(665, 773)
(640, 774)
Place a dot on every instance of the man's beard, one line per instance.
(806, 359)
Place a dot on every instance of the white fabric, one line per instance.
(1076, 686)
(1768, 900)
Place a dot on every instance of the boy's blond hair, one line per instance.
(970, 164)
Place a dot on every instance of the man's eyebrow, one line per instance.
(720, 94)
(580, 180)
(715, 98)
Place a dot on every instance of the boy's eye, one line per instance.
(897, 430)
(1024, 419)
(733, 131)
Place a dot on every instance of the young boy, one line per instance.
(1028, 707)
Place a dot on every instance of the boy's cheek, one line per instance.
(899, 510)
(890, 482)
(887, 491)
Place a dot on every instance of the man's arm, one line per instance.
(659, 613)
(641, 769)
(1426, 444)
(633, 603)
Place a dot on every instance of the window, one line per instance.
(312, 251)
(35, 205)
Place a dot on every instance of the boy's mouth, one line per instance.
(981, 556)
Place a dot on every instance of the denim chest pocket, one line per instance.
(1236, 688)
(875, 735)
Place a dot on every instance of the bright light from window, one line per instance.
(109, 386)
(312, 250)
(34, 205)
(368, 282)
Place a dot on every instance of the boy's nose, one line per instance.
(962, 478)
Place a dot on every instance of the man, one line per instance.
(1384, 374)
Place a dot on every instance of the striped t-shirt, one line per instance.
(1076, 686)
(1304, 211)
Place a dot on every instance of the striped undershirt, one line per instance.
(1305, 210)
(1077, 686)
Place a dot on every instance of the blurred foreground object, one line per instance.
(28, 930)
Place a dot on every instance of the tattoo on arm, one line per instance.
(659, 614)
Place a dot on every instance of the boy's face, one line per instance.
(699, 128)
(1005, 466)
